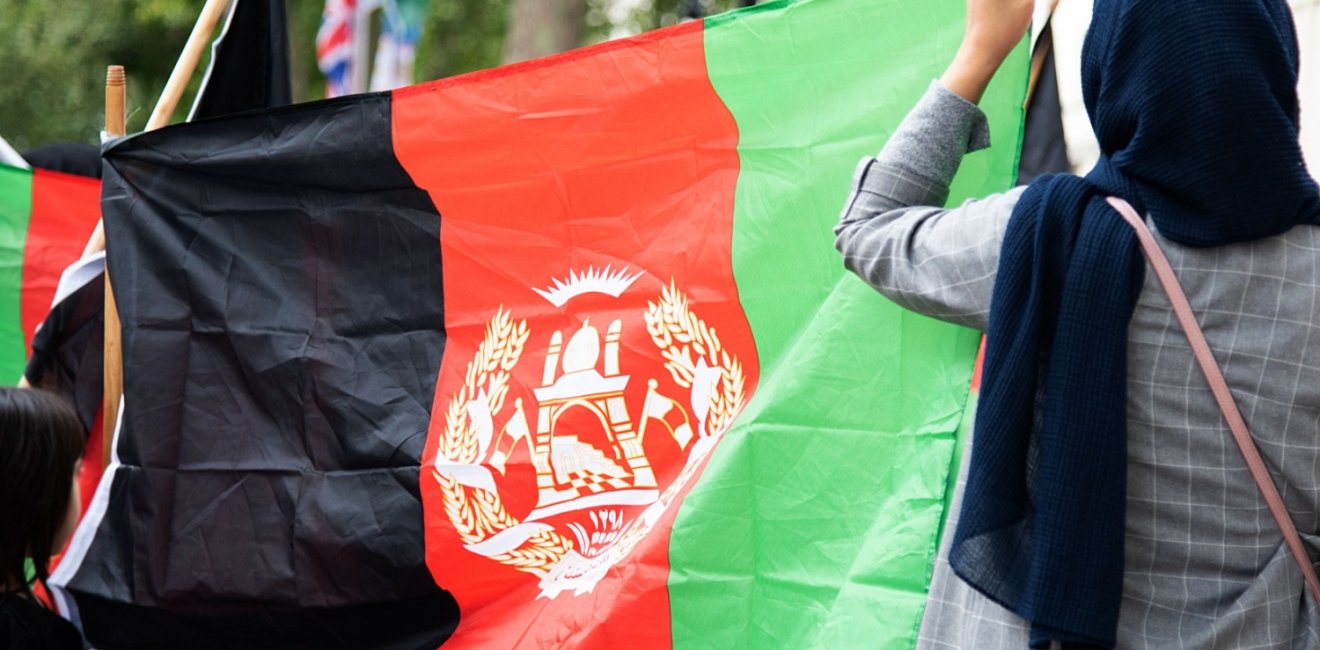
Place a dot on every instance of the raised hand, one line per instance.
(994, 28)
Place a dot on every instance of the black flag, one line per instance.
(263, 491)
(249, 62)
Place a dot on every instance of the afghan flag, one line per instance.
(554, 355)
(45, 220)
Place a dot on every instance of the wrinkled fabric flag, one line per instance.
(556, 354)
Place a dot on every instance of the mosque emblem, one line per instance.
(584, 427)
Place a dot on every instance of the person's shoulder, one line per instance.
(27, 625)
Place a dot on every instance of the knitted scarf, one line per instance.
(1195, 106)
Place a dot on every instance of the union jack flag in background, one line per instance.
(334, 46)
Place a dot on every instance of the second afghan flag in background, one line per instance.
(568, 339)
(46, 219)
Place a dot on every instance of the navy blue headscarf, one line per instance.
(1195, 106)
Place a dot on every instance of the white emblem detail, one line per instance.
(593, 280)
(573, 572)
(472, 474)
(573, 474)
(582, 431)
(478, 411)
(467, 474)
(508, 539)
(607, 526)
(703, 387)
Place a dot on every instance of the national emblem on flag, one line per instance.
(593, 482)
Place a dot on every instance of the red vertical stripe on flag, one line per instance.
(65, 209)
(620, 156)
(977, 370)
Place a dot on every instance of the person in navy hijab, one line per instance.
(1104, 501)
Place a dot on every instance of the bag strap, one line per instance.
(1219, 387)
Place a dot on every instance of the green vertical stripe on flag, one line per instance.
(816, 523)
(15, 210)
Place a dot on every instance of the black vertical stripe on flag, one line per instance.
(68, 351)
(279, 284)
(1044, 149)
(249, 62)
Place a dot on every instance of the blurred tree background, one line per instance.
(55, 52)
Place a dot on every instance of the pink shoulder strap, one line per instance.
(1222, 395)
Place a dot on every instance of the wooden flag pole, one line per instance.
(212, 11)
(113, 372)
(115, 87)
(115, 125)
(113, 390)
(169, 97)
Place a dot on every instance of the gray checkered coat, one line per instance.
(1205, 566)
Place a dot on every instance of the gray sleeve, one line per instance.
(894, 235)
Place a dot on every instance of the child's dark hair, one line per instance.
(41, 439)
